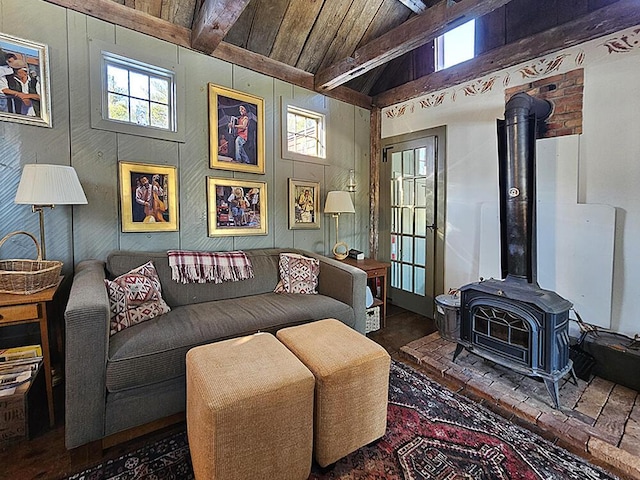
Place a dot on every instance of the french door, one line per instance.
(415, 170)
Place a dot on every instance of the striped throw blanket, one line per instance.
(202, 267)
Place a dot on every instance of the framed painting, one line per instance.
(304, 204)
(24, 82)
(236, 207)
(148, 197)
(236, 130)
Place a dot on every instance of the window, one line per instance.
(456, 46)
(137, 93)
(305, 132)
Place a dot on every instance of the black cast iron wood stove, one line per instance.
(514, 322)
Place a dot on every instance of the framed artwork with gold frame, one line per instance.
(23, 62)
(236, 207)
(148, 197)
(304, 204)
(236, 130)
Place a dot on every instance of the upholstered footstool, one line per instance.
(249, 410)
(352, 385)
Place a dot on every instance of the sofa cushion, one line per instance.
(298, 274)
(135, 297)
(265, 269)
(154, 351)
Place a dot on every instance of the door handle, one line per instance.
(432, 226)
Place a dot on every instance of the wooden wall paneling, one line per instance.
(94, 153)
(248, 81)
(148, 150)
(340, 155)
(193, 162)
(361, 157)
(283, 170)
(490, 31)
(263, 33)
(525, 18)
(312, 240)
(23, 144)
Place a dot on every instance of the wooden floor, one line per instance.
(45, 457)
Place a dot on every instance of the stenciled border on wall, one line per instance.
(624, 42)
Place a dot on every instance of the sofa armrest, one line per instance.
(345, 283)
(87, 337)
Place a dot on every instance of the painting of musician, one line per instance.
(236, 123)
(236, 207)
(148, 197)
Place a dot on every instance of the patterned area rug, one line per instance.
(432, 434)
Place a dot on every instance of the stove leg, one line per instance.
(458, 351)
(552, 389)
(573, 376)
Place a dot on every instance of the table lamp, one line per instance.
(339, 202)
(47, 186)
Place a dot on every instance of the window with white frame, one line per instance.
(305, 132)
(137, 93)
(455, 46)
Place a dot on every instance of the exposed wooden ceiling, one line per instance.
(365, 52)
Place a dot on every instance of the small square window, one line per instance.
(137, 93)
(305, 133)
(455, 46)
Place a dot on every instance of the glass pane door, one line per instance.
(413, 221)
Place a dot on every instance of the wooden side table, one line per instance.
(16, 309)
(374, 269)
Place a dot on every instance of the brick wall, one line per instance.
(565, 91)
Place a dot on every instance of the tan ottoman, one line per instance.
(352, 384)
(249, 410)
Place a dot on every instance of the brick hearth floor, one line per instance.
(598, 417)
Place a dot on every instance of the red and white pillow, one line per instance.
(135, 297)
(298, 274)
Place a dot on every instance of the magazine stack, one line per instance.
(19, 367)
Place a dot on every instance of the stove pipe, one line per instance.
(517, 172)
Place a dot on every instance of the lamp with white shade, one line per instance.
(339, 202)
(44, 185)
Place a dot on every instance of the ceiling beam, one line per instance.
(604, 21)
(117, 14)
(412, 34)
(213, 21)
(130, 18)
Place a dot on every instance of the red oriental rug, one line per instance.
(432, 434)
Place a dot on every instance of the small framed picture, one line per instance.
(236, 130)
(148, 197)
(24, 82)
(304, 204)
(236, 207)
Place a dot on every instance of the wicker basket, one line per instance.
(27, 276)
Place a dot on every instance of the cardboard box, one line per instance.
(24, 413)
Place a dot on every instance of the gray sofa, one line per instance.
(137, 375)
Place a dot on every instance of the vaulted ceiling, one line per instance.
(365, 52)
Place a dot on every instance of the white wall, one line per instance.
(589, 208)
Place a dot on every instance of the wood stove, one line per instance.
(513, 321)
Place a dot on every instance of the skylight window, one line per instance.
(456, 46)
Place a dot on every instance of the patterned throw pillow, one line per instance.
(298, 274)
(134, 297)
